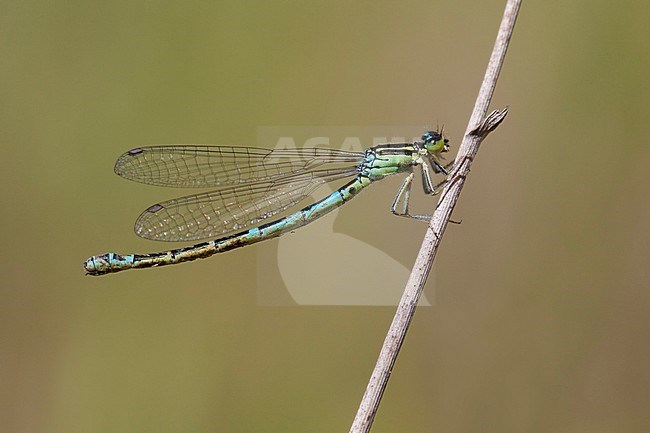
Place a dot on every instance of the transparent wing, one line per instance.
(205, 166)
(227, 210)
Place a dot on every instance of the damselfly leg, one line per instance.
(404, 192)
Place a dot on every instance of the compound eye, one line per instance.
(431, 136)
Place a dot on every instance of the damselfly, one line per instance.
(252, 185)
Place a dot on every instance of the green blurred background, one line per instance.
(540, 320)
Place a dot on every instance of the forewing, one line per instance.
(209, 166)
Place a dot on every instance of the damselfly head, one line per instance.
(435, 142)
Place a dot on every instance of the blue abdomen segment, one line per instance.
(112, 262)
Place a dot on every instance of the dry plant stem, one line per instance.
(478, 128)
